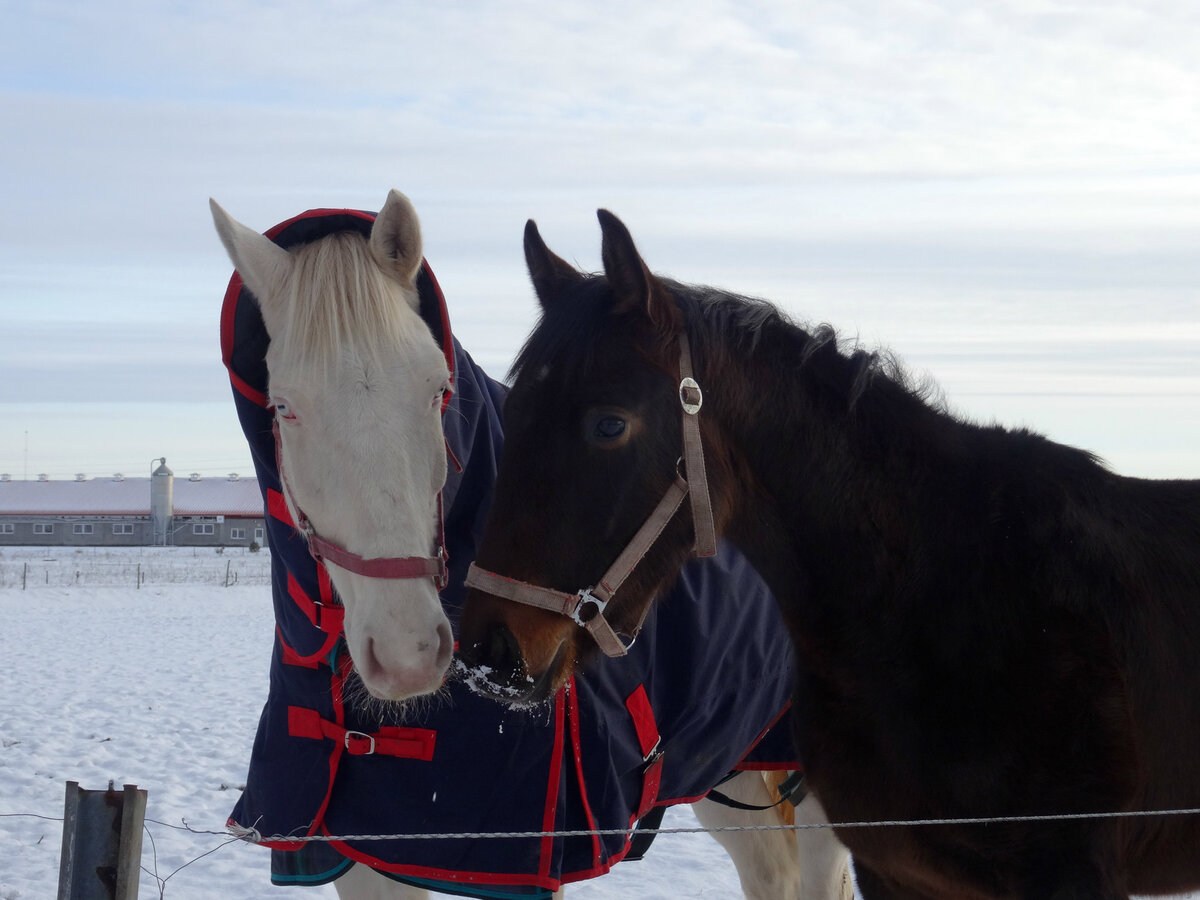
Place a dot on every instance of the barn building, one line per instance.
(160, 510)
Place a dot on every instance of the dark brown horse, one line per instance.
(988, 624)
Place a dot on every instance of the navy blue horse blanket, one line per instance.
(703, 691)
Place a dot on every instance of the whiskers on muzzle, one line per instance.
(408, 711)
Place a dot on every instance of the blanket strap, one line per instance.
(792, 789)
(405, 743)
(650, 742)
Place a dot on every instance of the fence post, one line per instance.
(102, 843)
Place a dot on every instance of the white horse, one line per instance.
(357, 381)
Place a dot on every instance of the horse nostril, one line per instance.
(500, 651)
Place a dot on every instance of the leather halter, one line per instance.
(587, 606)
(395, 567)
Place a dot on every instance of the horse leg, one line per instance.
(824, 860)
(364, 883)
(774, 865)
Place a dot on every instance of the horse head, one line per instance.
(357, 383)
(594, 437)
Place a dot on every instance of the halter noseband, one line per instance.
(587, 606)
(396, 567)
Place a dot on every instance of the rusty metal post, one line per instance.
(102, 843)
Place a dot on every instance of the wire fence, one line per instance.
(223, 839)
(66, 567)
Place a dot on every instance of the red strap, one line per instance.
(405, 743)
(648, 737)
(277, 507)
(327, 616)
(640, 711)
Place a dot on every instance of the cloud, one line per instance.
(872, 161)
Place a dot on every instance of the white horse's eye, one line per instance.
(283, 411)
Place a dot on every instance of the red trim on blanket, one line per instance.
(772, 766)
(228, 306)
(577, 748)
(550, 808)
(447, 341)
(453, 876)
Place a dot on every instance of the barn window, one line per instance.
(82, 528)
(8, 528)
(237, 534)
(43, 528)
(204, 528)
(122, 528)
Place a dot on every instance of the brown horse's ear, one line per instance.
(549, 273)
(634, 287)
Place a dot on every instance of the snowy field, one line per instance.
(159, 685)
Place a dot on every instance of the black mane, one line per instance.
(724, 321)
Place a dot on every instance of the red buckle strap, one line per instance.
(650, 743)
(404, 743)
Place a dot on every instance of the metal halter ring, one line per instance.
(587, 599)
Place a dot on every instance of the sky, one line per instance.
(1007, 196)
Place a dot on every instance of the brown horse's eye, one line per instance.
(610, 428)
(606, 428)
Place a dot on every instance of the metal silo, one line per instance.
(162, 502)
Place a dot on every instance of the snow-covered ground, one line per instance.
(160, 686)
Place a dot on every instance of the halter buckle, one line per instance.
(690, 396)
(585, 600)
(442, 577)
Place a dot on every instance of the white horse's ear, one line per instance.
(261, 262)
(396, 241)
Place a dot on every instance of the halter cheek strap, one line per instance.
(587, 606)
(691, 398)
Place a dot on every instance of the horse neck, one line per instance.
(825, 463)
